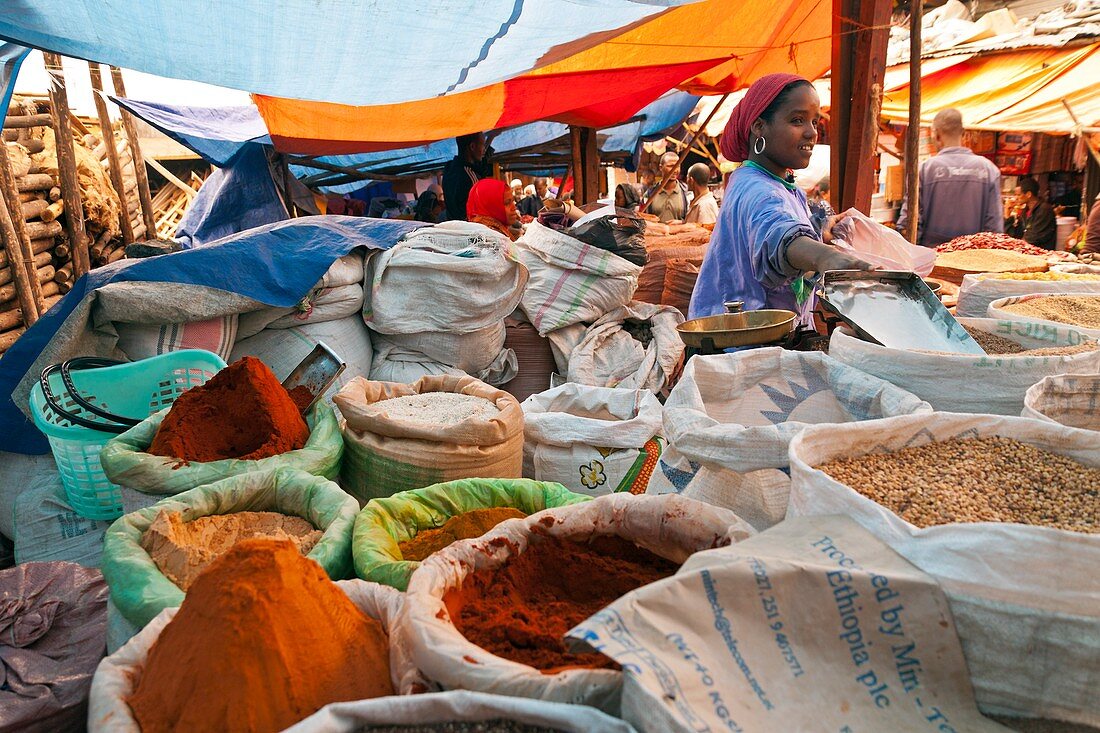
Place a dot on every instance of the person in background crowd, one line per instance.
(626, 197)
(764, 241)
(463, 171)
(530, 205)
(1033, 220)
(818, 201)
(703, 209)
(517, 190)
(647, 179)
(1092, 229)
(491, 203)
(960, 192)
(542, 188)
(430, 205)
(669, 204)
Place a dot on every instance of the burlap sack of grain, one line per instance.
(571, 282)
(385, 454)
(670, 526)
(687, 245)
(117, 677)
(140, 590)
(592, 440)
(977, 292)
(1025, 599)
(610, 355)
(998, 309)
(730, 419)
(963, 383)
(1072, 400)
(456, 277)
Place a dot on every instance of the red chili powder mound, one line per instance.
(301, 397)
(262, 640)
(242, 412)
(522, 610)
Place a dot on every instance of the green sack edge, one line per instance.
(126, 463)
(140, 591)
(385, 522)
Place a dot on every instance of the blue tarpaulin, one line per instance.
(345, 51)
(214, 133)
(11, 56)
(275, 264)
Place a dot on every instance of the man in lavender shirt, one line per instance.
(960, 192)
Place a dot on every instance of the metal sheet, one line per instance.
(895, 309)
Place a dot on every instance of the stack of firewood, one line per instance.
(106, 248)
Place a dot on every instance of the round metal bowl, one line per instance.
(737, 329)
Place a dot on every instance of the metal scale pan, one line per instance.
(713, 334)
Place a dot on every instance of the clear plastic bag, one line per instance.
(881, 245)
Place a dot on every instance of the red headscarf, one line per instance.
(487, 199)
(735, 138)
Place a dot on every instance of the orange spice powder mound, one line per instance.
(522, 609)
(263, 639)
(242, 412)
(459, 527)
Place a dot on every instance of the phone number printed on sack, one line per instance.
(775, 622)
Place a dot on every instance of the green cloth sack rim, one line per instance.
(138, 588)
(385, 522)
(126, 463)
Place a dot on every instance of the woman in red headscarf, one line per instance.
(765, 240)
(491, 203)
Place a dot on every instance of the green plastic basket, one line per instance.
(135, 390)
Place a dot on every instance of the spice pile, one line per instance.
(995, 345)
(990, 260)
(992, 240)
(977, 480)
(522, 610)
(262, 640)
(460, 527)
(438, 408)
(1043, 276)
(498, 725)
(182, 549)
(1076, 310)
(242, 412)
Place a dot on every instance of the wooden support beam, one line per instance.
(590, 156)
(113, 166)
(16, 245)
(912, 134)
(135, 149)
(66, 165)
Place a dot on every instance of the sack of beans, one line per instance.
(1072, 400)
(439, 428)
(53, 624)
(151, 556)
(593, 440)
(1018, 355)
(1002, 511)
(490, 614)
(730, 420)
(456, 277)
(395, 533)
(1062, 309)
(680, 277)
(635, 346)
(978, 291)
(571, 282)
(458, 711)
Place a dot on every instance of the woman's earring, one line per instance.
(759, 145)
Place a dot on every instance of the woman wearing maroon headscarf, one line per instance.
(491, 203)
(764, 240)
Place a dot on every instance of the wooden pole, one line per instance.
(139, 160)
(113, 165)
(27, 288)
(66, 164)
(578, 165)
(912, 134)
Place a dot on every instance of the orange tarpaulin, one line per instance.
(704, 48)
(1013, 90)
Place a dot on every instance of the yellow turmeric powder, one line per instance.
(459, 527)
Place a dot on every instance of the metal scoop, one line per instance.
(317, 372)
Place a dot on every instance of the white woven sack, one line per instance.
(457, 705)
(19, 473)
(997, 310)
(117, 676)
(407, 368)
(608, 356)
(976, 294)
(456, 277)
(593, 440)
(1026, 600)
(571, 282)
(1072, 400)
(46, 529)
(471, 352)
(321, 305)
(670, 526)
(347, 270)
(962, 383)
(730, 420)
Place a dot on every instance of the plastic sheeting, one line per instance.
(353, 53)
(215, 133)
(11, 56)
